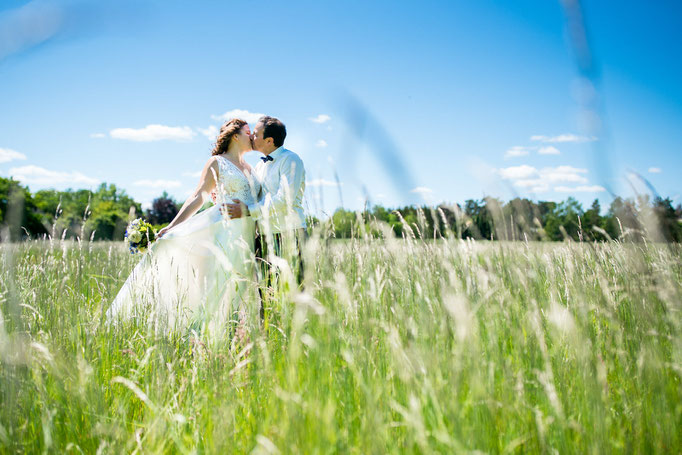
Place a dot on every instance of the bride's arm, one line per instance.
(207, 183)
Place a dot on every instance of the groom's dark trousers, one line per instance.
(268, 272)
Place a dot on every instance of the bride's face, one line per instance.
(243, 138)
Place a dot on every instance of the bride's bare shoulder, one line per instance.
(212, 166)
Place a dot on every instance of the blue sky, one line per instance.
(461, 99)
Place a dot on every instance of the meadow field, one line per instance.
(395, 346)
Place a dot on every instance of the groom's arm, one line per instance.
(237, 208)
(292, 179)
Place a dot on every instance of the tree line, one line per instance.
(103, 214)
(521, 219)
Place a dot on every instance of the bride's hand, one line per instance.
(162, 232)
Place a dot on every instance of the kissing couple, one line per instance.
(224, 265)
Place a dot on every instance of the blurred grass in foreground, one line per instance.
(434, 346)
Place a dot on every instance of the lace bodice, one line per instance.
(234, 184)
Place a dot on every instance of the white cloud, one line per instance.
(41, 176)
(321, 118)
(541, 188)
(563, 138)
(549, 150)
(537, 185)
(421, 190)
(321, 143)
(516, 151)
(7, 155)
(158, 183)
(211, 132)
(580, 189)
(652, 170)
(98, 135)
(561, 174)
(518, 172)
(530, 183)
(250, 117)
(533, 185)
(322, 182)
(152, 133)
(424, 192)
(519, 150)
(539, 180)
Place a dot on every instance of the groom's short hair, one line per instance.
(274, 128)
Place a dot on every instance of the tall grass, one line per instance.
(394, 346)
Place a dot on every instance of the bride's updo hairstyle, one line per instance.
(229, 129)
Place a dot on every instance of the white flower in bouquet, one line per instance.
(135, 236)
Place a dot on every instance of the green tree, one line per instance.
(478, 220)
(568, 212)
(668, 219)
(591, 218)
(162, 211)
(19, 216)
(111, 210)
(344, 222)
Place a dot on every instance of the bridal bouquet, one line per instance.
(139, 235)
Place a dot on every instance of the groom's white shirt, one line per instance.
(280, 203)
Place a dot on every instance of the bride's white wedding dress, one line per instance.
(200, 274)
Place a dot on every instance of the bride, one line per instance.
(199, 274)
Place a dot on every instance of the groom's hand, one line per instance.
(237, 209)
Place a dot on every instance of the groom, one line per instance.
(280, 223)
